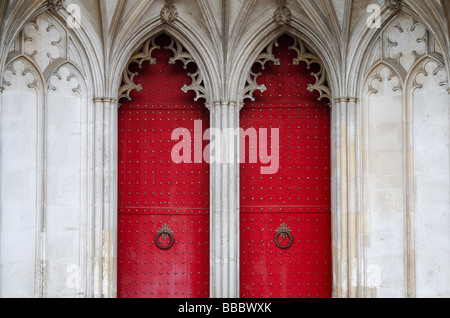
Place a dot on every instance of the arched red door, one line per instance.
(163, 226)
(286, 216)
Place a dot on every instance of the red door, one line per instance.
(286, 217)
(163, 247)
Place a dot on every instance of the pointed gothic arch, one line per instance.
(395, 105)
(29, 109)
(294, 105)
(186, 47)
(161, 180)
(144, 54)
(303, 55)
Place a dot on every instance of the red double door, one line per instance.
(163, 226)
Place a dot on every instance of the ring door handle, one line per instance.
(165, 232)
(284, 231)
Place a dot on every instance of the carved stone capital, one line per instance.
(104, 100)
(346, 100)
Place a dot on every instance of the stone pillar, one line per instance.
(98, 195)
(346, 202)
(105, 205)
(225, 202)
(1, 109)
(353, 197)
(110, 194)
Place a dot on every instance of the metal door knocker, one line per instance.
(284, 231)
(165, 232)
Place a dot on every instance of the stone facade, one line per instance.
(385, 68)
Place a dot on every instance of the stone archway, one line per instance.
(163, 226)
(285, 237)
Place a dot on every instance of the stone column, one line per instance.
(97, 226)
(104, 198)
(110, 197)
(346, 203)
(353, 197)
(1, 157)
(225, 202)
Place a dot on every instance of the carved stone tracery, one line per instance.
(303, 55)
(321, 76)
(401, 46)
(384, 80)
(262, 59)
(45, 45)
(145, 54)
(21, 68)
(52, 36)
(186, 58)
